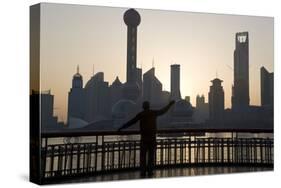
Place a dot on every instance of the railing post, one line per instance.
(78, 159)
(44, 157)
(261, 151)
(209, 150)
(96, 153)
(113, 155)
(65, 158)
(102, 153)
(119, 155)
(175, 151)
(222, 150)
(52, 160)
(161, 152)
(135, 152)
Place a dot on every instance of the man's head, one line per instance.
(145, 105)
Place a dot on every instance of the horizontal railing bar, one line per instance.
(160, 131)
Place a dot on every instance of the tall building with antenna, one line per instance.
(76, 97)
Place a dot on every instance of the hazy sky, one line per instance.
(202, 44)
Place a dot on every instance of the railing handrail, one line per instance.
(159, 131)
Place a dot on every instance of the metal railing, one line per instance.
(69, 154)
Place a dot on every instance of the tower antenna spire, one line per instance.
(77, 69)
(153, 62)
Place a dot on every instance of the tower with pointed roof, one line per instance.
(76, 97)
(77, 80)
(116, 91)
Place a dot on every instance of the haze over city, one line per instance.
(202, 44)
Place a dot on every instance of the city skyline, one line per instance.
(192, 83)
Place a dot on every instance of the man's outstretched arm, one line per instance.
(131, 122)
(165, 109)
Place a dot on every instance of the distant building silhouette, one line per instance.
(116, 91)
(175, 82)
(152, 88)
(240, 90)
(97, 94)
(200, 101)
(187, 99)
(122, 111)
(76, 98)
(216, 101)
(165, 96)
(201, 113)
(48, 120)
(266, 87)
(182, 111)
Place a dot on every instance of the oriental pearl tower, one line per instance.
(131, 89)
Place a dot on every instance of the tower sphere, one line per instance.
(132, 18)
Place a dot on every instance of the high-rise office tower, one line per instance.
(76, 97)
(152, 87)
(48, 120)
(200, 101)
(266, 87)
(98, 102)
(115, 91)
(216, 101)
(202, 109)
(240, 90)
(175, 82)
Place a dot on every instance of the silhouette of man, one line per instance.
(148, 126)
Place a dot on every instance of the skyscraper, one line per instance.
(216, 101)
(116, 91)
(175, 82)
(266, 87)
(98, 102)
(200, 101)
(76, 97)
(240, 90)
(201, 113)
(48, 120)
(152, 87)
